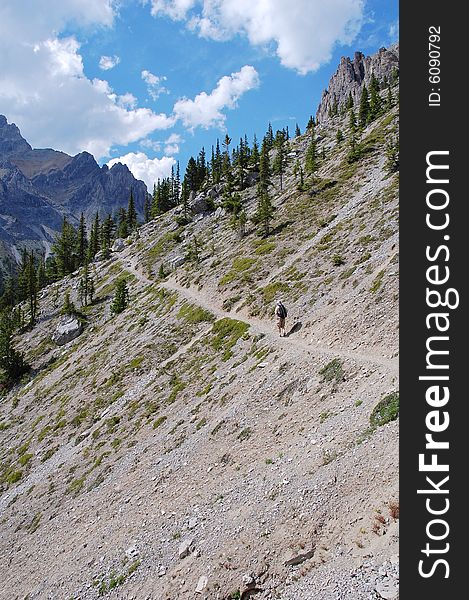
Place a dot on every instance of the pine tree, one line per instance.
(147, 208)
(94, 242)
(339, 137)
(389, 98)
(376, 104)
(31, 289)
(255, 157)
(107, 230)
(65, 249)
(82, 241)
(392, 156)
(280, 159)
(122, 223)
(41, 275)
(12, 361)
(269, 137)
(364, 109)
(86, 287)
(265, 209)
(353, 153)
(68, 307)
(311, 154)
(297, 131)
(121, 297)
(131, 213)
(310, 124)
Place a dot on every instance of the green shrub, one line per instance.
(386, 410)
(225, 333)
(333, 370)
(338, 260)
(194, 314)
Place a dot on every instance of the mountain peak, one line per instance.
(11, 141)
(352, 74)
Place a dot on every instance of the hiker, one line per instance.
(281, 314)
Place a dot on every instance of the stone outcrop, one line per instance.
(68, 328)
(352, 74)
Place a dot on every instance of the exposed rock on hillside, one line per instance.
(352, 74)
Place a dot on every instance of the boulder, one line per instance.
(185, 548)
(201, 584)
(118, 245)
(177, 261)
(68, 328)
(198, 204)
(219, 212)
(252, 178)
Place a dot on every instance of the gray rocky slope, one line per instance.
(182, 449)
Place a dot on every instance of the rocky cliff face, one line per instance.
(352, 74)
(38, 187)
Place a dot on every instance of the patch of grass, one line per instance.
(271, 290)
(201, 423)
(135, 363)
(377, 282)
(34, 523)
(386, 410)
(332, 371)
(76, 485)
(328, 456)
(228, 303)
(204, 391)
(194, 314)
(239, 266)
(177, 386)
(265, 248)
(325, 415)
(358, 402)
(159, 421)
(24, 459)
(224, 335)
(338, 260)
(245, 434)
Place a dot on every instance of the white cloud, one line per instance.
(176, 9)
(147, 169)
(108, 62)
(205, 109)
(43, 87)
(155, 84)
(172, 144)
(304, 32)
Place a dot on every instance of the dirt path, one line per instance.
(203, 299)
(200, 298)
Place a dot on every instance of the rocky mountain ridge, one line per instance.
(38, 187)
(352, 74)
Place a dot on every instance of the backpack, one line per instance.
(282, 311)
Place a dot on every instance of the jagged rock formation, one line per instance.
(352, 74)
(39, 187)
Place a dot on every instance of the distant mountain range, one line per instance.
(39, 187)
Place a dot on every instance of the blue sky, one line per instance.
(148, 82)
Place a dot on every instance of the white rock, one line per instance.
(201, 584)
(185, 548)
(387, 590)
